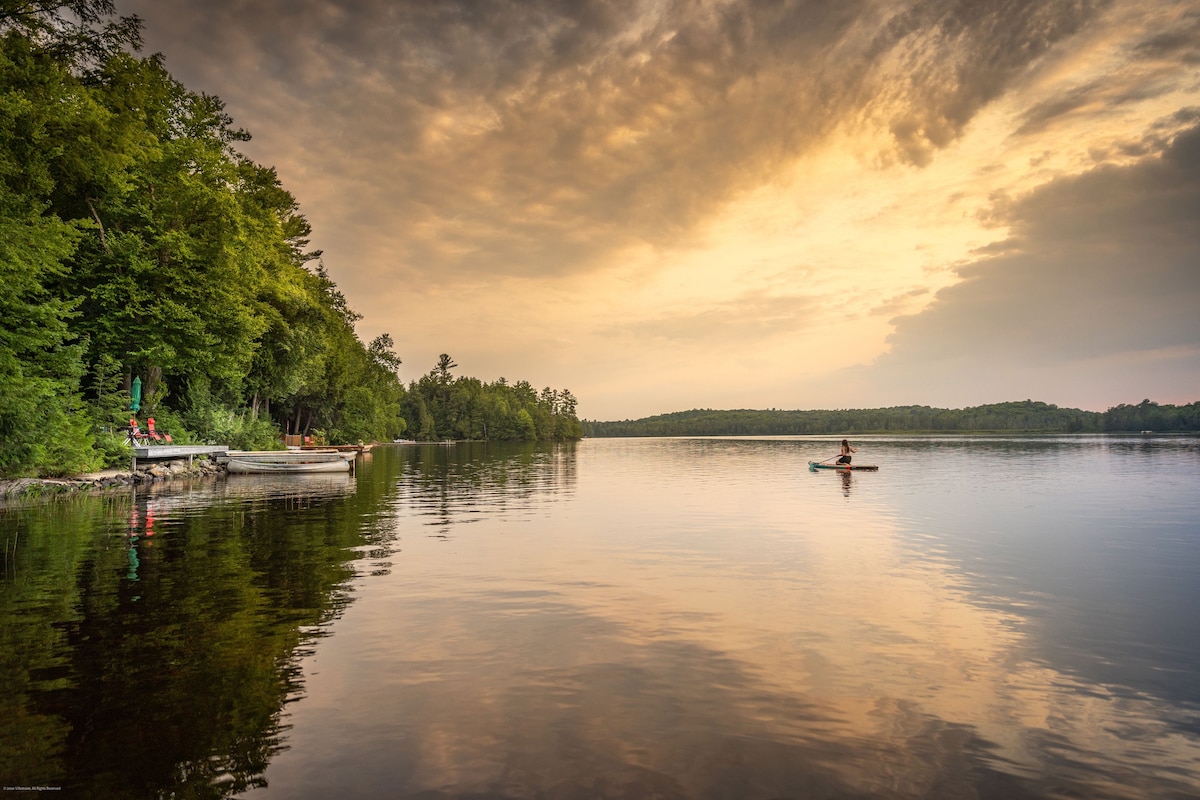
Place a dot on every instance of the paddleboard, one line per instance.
(844, 467)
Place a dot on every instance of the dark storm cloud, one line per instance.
(533, 137)
(1098, 265)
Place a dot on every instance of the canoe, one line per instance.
(843, 467)
(285, 466)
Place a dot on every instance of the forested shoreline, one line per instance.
(136, 242)
(1024, 417)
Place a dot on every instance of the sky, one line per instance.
(663, 205)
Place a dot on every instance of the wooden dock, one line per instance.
(155, 452)
(341, 448)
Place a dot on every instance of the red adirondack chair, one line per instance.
(161, 438)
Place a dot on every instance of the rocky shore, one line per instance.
(23, 489)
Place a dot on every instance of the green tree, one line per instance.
(526, 430)
(169, 278)
(42, 423)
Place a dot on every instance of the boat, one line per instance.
(277, 462)
(815, 465)
(285, 466)
(286, 456)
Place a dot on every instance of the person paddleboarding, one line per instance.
(846, 451)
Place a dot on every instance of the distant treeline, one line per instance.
(1023, 416)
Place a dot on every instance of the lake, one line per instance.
(984, 617)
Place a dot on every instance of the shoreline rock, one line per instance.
(45, 489)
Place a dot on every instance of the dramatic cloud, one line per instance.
(1101, 270)
(537, 137)
(576, 191)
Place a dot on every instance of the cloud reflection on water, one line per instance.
(703, 620)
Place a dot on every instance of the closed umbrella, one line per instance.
(135, 396)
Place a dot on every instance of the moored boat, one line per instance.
(241, 466)
(282, 462)
(287, 456)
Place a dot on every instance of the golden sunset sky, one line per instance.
(672, 205)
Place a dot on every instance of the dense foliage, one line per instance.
(137, 242)
(1025, 416)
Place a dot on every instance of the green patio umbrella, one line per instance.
(135, 396)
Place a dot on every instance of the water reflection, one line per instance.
(448, 486)
(663, 618)
(150, 637)
(701, 621)
(297, 490)
(843, 479)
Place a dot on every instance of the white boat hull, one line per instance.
(286, 456)
(264, 467)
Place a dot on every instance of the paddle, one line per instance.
(835, 455)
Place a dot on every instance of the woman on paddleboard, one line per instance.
(846, 451)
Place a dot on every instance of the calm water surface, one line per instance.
(669, 618)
